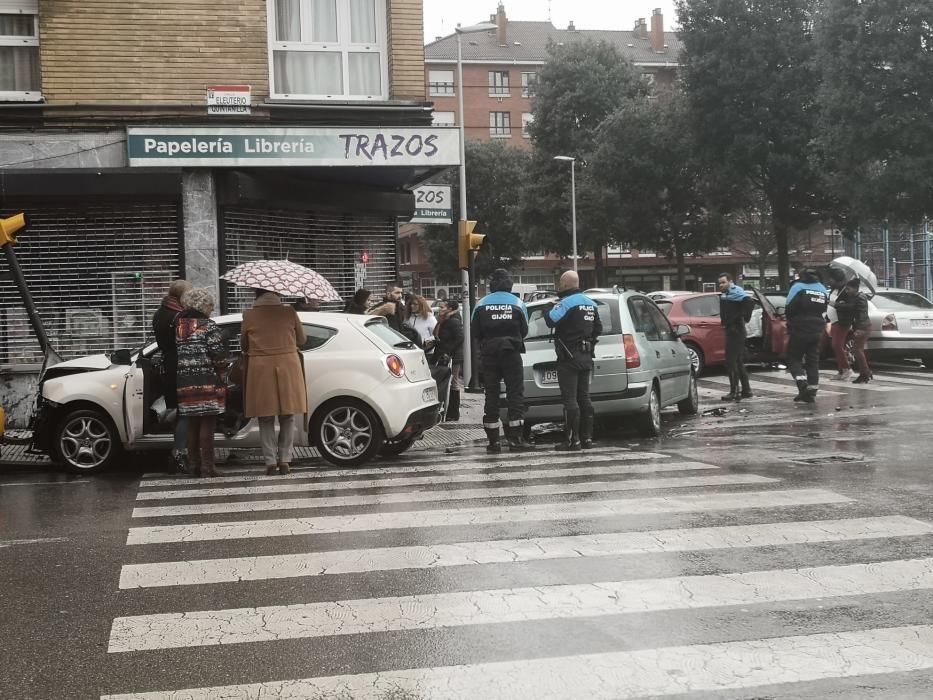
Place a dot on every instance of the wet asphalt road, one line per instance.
(768, 550)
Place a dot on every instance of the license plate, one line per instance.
(550, 376)
(921, 323)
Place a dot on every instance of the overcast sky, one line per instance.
(441, 16)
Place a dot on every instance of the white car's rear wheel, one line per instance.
(86, 441)
(347, 433)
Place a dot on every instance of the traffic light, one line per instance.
(468, 241)
(9, 226)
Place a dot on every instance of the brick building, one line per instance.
(319, 127)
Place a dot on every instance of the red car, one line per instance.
(706, 342)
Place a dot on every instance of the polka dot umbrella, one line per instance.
(282, 277)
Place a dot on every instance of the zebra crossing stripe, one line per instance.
(686, 503)
(445, 610)
(515, 463)
(759, 385)
(893, 379)
(720, 666)
(300, 487)
(434, 496)
(187, 573)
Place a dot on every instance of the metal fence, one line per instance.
(899, 255)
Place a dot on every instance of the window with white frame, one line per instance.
(328, 49)
(19, 50)
(527, 120)
(441, 83)
(500, 125)
(498, 83)
(529, 81)
(444, 119)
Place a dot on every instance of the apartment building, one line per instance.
(149, 141)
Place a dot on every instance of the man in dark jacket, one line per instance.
(500, 324)
(449, 333)
(576, 324)
(852, 311)
(163, 327)
(805, 310)
(735, 310)
(391, 307)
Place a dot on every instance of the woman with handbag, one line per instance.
(271, 336)
(200, 387)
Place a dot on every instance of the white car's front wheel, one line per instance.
(86, 441)
(347, 433)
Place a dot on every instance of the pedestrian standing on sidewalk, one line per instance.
(391, 308)
(359, 303)
(838, 332)
(807, 302)
(201, 391)
(449, 334)
(735, 310)
(576, 324)
(852, 309)
(500, 324)
(163, 327)
(421, 319)
(275, 383)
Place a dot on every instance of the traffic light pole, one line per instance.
(464, 274)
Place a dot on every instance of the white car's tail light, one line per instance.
(889, 323)
(632, 358)
(395, 366)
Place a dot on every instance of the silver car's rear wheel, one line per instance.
(348, 433)
(651, 421)
(86, 441)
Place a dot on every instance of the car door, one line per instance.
(702, 315)
(773, 327)
(674, 360)
(317, 338)
(134, 394)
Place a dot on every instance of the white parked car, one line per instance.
(369, 388)
(901, 325)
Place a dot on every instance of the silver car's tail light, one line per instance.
(889, 323)
(632, 358)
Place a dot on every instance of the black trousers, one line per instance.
(507, 367)
(574, 390)
(735, 360)
(803, 357)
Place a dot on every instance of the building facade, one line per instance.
(149, 142)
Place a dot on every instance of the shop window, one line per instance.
(404, 253)
(19, 51)
(529, 84)
(500, 125)
(444, 118)
(498, 83)
(332, 49)
(441, 83)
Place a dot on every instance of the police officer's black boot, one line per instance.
(453, 407)
(571, 434)
(515, 435)
(492, 434)
(801, 391)
(586, 431)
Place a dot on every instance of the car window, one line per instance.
(539, 330)
(665, 305)
(702, 307)
(382, 330)
(901, 300)
(230, 332)
(660, 321)
(317, 336)
(644, 320)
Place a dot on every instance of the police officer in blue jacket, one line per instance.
(805, 310)
(500, 324)
(576, 324)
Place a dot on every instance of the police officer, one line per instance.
(500, 324)
(735, 310)
(805, 309)
(576, 325)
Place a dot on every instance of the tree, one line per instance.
(876, 135)
(577, 89)
(495, 176)
(749, 74)
(662, 191)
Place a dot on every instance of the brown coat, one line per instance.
(275, 382)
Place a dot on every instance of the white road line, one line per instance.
(444, 610)
(41, 540)
(828, 385)
(46, 483)
(510, 464)
(714, 667)
(688, 503)
(188, 573)
(897, 380)
(437, 496)
(760, 385)
(558, 473)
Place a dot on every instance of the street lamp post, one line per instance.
(573, 202)
(465, 274)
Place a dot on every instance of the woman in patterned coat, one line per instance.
(201, 392)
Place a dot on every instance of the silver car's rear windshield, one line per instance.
(894, 301)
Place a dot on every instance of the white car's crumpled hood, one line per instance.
(88, 362)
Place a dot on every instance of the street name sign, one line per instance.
(229, 99)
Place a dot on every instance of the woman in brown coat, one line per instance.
(275, 381)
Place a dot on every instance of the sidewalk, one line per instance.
(466, 430)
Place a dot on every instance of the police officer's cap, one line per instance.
(500, 280)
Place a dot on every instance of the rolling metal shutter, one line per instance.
(97, 274)
(331, 244)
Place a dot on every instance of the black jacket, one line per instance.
(450, 338)
(576, 323)
(163, 327)
(806, 309)
(500, 324)
(852, 310)
(733, 315)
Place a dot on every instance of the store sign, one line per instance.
(229, 99)
(301, 146)
(432, 205)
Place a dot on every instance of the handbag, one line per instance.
(237, 373)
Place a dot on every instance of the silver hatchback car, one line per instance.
(641, 365)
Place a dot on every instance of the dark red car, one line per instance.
(706, 342)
